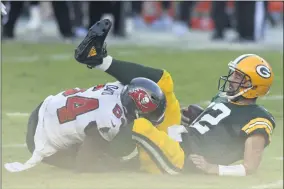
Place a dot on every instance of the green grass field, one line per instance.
(31, 72)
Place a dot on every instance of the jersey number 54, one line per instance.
(75, 105)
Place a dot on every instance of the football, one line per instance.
(192, 112)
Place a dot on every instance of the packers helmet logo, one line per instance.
(142, 100)
(263, 71)
(92, 52)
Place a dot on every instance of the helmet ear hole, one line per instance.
(153, 97)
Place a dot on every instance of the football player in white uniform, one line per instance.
(75, 126)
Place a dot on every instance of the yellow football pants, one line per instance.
(158, 153)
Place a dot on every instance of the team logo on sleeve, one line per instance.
(142, 100)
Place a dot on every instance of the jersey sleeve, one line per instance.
(260, 125)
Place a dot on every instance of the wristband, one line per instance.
(232, 170)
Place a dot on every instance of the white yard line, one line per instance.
(14, 146)
(30, 59)
(17, 114)
(272, 185)
(278, 158)
(54, 57)
(272, 97)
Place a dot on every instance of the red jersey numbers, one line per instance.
(117, 111)
(75, 106)
(72, 92)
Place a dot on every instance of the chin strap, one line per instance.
(236, 95)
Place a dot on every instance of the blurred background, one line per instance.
(167, 21)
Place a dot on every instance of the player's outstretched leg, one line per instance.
(91, 50)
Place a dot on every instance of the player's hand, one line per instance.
(184, 117)
(92, 49)
(189, 114)
(201, 163)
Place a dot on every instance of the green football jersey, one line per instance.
(219, 133)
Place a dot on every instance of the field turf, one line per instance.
(31, 72)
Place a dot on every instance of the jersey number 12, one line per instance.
(213, 121)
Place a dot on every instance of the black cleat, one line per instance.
(91, 50)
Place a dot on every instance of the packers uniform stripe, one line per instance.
(133, 154)
(156, 154)
(253, 121)
(252, 126)
(260, 127)
(258, 123)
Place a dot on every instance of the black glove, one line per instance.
(92, 49)
(189, 114)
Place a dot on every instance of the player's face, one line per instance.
(236, 80)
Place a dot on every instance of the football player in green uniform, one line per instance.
(232, 128)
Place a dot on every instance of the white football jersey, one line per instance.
(63, 118)
(68, 113)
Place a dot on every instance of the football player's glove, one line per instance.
(189, 114)
(92, 49)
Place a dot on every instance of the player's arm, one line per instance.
(254, 147)
(258, 135)
(90, 151)
(123, 144)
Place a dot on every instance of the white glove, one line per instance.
(18, 167)
(15, 167)
(175, 132)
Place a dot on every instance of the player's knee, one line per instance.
(158, 145)
(143, 126)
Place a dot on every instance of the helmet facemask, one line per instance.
(235, 84)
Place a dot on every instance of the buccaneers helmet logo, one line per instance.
(142, 100)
